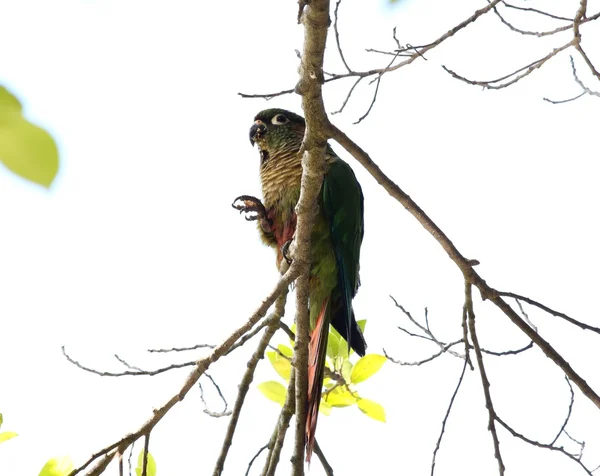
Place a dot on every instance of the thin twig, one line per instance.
(247, 378)
(560, 449)
(484, 379)
(326, 466)
(254, 458)
(201, 366)
(545, 308)
(445, 420)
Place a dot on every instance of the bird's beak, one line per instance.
(257, 130)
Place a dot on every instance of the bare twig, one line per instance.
(145, 457)
(337, 35)
(218, 389)
(258, 453)
(127, 372)
(545, 308)
(283, 422)
(326, 466)
(443, 350)
(445, 420)
(515, 76)
(484, 380)
(181, 349)
(560, 449)
(247, 378)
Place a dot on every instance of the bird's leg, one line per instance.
(254, 210)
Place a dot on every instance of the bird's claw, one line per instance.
(285, 250)
(250, 205)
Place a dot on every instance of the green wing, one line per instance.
(343, 206)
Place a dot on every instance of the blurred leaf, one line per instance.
(333, 344)
(25, 149)
(372, 409)
(150, 466)
(340, 397)
(366, 367)
(362, 323)
(281, 365)
(1, 420)
(285, 350)
(346, 370)
(61, 466)
(273, 391)
(7, 435)
(293, 329)
(325, 407)
(8, 102)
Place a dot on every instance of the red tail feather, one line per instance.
(317, 350)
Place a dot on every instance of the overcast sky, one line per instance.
(136, 246)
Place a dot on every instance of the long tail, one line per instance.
(317, 350)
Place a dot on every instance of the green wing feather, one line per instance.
(343, 207)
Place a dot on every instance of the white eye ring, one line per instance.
(279, 119)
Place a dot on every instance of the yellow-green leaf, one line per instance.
(281, 365)
(372, 409)
(7, 435)
(8, 102)
(150, 465)
(285, 350)
(366, 367)
(325, 407)
(333, 344)
(273, 391)
(346, 370)
(362, 323)
(293, 329)
(340, 397)
(25, 149)
(61, 466)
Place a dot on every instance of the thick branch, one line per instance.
(465, 265)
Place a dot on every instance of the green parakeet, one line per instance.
(335, 239)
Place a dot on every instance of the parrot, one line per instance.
(336, 238)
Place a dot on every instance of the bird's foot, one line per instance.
(251, 206)
(285, 249)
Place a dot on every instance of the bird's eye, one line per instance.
(279, 119)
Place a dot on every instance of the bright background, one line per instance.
(136, 246)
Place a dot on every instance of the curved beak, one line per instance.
(257, 130)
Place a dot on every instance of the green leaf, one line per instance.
(281, 365)
(8, 102)
(346, 370)
(333, 344)
(362, 323)
(372, 409)
(61, 466)
(1, 420)
(150, 466)
(325, 407)
(340, 397)
(366, 367)
(25, 149)
(7, 435)
(285, 350)
(273, 391)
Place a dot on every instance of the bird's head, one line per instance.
(277, 131)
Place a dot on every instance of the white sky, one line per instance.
(136, 245)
